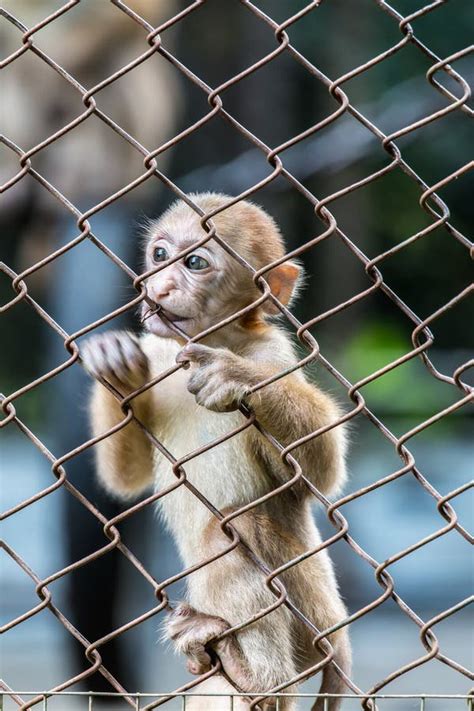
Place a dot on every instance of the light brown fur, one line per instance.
(195, 406)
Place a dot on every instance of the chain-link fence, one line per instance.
(455, 93)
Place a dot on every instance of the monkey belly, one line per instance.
(226, 475)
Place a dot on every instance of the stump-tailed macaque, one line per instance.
(199, 404)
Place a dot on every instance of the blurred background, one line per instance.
(154, 102)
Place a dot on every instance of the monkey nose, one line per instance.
(161, 291)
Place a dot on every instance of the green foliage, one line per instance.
(408, 388)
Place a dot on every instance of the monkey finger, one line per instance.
(196, 382)
(196, 353)
(218, 395)
(97, 360)
(133, 358)
(115, 356)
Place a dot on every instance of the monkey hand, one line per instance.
(117, 357)
(193, 634)
(219, 379)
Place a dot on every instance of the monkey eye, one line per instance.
(195, 262)
(160, 254)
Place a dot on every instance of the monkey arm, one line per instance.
(124, 459)
(289, 408)
(292, 408)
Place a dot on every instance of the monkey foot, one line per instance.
(193, 633)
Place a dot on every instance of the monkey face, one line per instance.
(207, 284)
(198, 290)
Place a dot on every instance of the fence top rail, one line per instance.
(236, 694)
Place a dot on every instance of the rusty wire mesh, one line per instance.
(422, 338)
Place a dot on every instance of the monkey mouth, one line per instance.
(158, 311)
(170, 316)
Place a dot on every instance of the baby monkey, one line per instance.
(197, 405)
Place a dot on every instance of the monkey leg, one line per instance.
(232, 588)
(192, 632)
(261, 656)
(325, 609)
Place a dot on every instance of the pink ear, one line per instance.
(282, 281)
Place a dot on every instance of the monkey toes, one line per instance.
(117, 357)
(193, 631)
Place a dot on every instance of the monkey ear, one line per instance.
(283, 282)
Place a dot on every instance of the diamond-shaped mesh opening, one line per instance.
(364, 108)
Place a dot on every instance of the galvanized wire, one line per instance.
(461, 701)
(422, 337)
